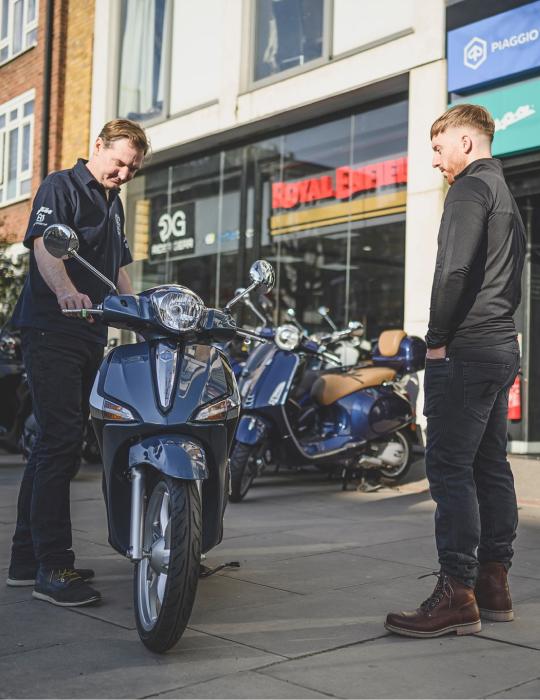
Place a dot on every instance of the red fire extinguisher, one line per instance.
(514, 400)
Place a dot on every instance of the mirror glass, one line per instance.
(60, 240)
(262, 273)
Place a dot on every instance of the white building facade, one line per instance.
(294, 130)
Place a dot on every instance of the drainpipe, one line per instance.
(46, 117)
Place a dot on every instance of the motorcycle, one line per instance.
(297, 413)
(164, 411)
(16, 403)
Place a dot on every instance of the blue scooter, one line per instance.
(164, 411)
(297, 413)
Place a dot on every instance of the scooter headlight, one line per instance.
(178, 308)
(287, 337)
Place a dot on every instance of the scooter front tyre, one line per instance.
(242, 475)
(163, 601)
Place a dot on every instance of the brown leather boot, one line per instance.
(450, 608)
(492, 592)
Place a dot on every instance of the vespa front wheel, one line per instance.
(244, 469)
(165, 580)
(400, 446)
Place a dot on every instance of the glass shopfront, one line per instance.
(325, 204)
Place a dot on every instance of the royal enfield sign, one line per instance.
(347, 195)
(345, 183)
(173, 233)
(494, 48)
(516, 111)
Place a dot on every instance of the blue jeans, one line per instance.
(61, 371)
(466, 405)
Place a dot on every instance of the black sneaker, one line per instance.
(64, 587)
(25, 574)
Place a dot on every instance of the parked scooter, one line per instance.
(16, 403)
(294, 413)
(349, 344)
(165, 411)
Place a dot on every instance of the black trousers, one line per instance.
(61, 370)
(466, 405)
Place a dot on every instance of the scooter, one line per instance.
(164, 411)
(16, 403)
(296, 413)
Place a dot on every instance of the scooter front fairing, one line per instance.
(127, 378)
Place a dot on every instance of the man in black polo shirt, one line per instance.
(62, 354)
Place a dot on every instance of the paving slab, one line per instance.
(248, 684)
(397, 667)
(317, 573)
(118, 666)
(528, 689)
(523, 630)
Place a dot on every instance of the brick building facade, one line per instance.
(69, 95)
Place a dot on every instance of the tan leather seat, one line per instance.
(389, 342)
(330, 387)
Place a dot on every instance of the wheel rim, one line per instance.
(153, 569)
(248, 475)
(393, 472)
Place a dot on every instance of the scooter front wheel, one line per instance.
(403, 448)
(243, 470)
(165, 580)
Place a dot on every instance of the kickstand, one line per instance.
(206, 571)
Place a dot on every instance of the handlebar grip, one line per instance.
(82, 312)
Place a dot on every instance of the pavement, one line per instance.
(301, 618)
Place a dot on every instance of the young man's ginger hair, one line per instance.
(465, 115)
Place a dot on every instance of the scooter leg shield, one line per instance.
(174, 455)
(251, 430)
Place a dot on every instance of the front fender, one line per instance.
(173, 455)
(251, 430)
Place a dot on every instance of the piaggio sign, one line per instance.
(345, 183)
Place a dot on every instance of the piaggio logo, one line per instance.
(475, 53)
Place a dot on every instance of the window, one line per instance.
(16, 143)
(18, 27)
(288, 34)
(142, 59)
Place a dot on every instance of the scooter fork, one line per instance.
(135, 552)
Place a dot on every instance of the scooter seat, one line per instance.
(329, 388)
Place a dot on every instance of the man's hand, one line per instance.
(436, 353)
(72, 299)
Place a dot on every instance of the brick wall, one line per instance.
(78, 83)
(71, 77)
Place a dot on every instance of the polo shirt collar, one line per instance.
(86, 177)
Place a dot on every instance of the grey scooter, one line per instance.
(165, 411)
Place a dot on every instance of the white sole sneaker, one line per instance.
(62, 604)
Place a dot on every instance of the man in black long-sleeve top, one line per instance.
(472, 361)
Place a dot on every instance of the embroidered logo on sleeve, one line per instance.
(41, 213)
(118, 222)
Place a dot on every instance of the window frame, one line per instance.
(27, 26)
(166, 58)
(21, 121)
(326, 56)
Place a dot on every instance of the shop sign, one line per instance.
(494, 48)
(174, 233)
(516, 112)
(345, 183)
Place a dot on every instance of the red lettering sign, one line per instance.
(348, 182)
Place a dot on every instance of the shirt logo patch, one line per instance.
(118, 223)
(42, 211)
